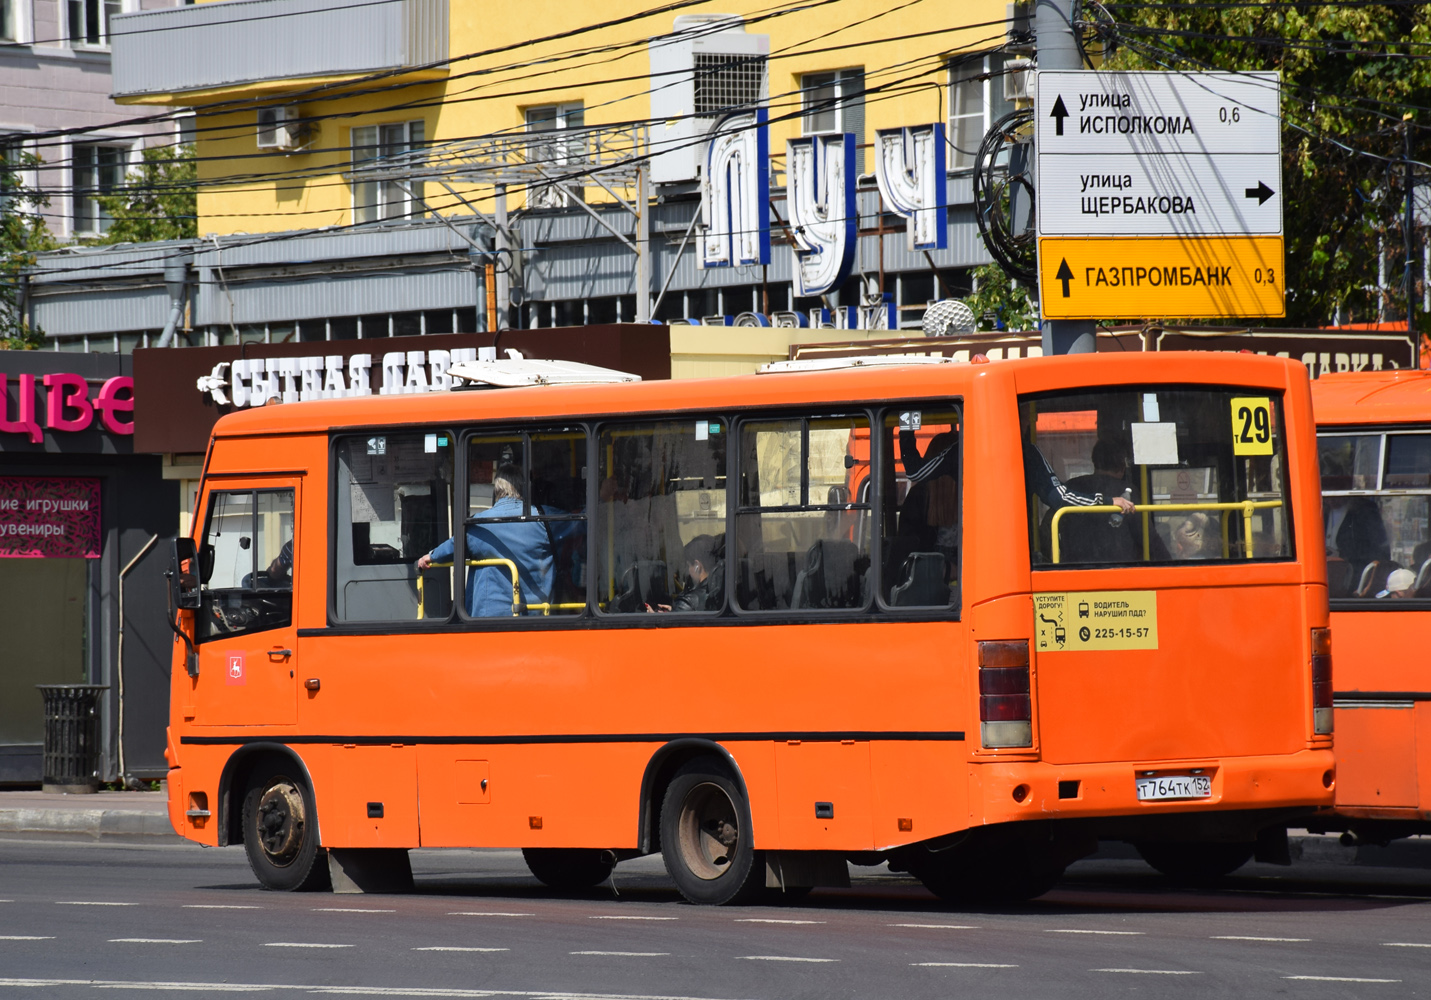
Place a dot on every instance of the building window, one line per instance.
(186, 128)
(556, 153)
(385, 198)
(976, 101)
(12, 21)
(727, 82)
(835, 102)
(97, 170)
(89, 20)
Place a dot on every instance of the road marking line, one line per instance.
(624, 954)
(1071, 930)
(26, 937)
(1342, 979)
(156, 940)
(1404, 944)
(88, 902)
(220, 906)
(941, 927)
(302, 944)
(962, 965)
(1153, 972)
(347, 909)
(308, 988)
(772, 920)
(452, 947)
(1244, 937)
(462, 913)
(783, 958)
(606, 916)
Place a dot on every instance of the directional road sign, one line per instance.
(1180, 169)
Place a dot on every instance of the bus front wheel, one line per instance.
(569, 868)
(706, 838)
(1196, 863)
(280, 835)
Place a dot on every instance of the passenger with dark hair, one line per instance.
(704, 557)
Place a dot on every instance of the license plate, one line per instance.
(1175, 786)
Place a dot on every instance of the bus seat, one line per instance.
(644, 583)
(923, 584)
(835, 576)
(1373, 578)
(764, 581)
(1339, 577)
(1423, 580)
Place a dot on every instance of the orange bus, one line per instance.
(604, 620)
(1374, 439)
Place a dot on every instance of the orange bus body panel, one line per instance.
(1383, 743)
(491, 737)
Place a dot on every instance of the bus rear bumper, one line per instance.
(1108, 793)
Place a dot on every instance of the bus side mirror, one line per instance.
(206, 562)
(183, 580)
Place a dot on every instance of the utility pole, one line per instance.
(1409, 228)
(1058, 49)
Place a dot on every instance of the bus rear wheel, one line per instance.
(280, 832)
(1196, 863)
(569, 868)
(706, 838)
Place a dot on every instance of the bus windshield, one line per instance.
(1205, 467)
(1376, 498)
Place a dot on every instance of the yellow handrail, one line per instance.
(1246, 506)
(511, 568)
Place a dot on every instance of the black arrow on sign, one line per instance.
(1261, 192)
(1064, 275)
(1058, 114)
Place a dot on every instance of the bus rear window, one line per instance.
(1204, 467)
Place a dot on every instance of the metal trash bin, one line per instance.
(71, 736)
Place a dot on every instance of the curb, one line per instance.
(92, 823)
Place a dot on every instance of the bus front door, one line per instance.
(245, 623)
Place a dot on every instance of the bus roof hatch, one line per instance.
(865, 361)
(512, 372)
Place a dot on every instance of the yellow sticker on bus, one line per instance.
(1096, 620)
(1251, 425)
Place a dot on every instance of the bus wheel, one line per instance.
(705, 837)
(569, 868)
(1196, 863)
(279, 834)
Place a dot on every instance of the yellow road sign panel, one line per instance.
(1174, 277)
(1095, 620)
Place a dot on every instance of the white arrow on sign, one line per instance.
(1126, 194)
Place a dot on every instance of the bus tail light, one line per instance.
(1005, 708)
(1321, 681)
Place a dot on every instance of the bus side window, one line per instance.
(248, 557)
(394, 504)
(660, 527)
(802, 533)
(920, 534)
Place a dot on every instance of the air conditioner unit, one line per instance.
(1018, 79)
(278, 128)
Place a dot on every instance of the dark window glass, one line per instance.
(660, 523)
(394, 504)
(247, 563)
(920, 530)
(1349, 461)
(1408, 461)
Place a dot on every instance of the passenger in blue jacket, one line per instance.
(530, 544)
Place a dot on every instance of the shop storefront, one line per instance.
(82, 598)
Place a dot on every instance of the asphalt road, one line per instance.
(173, 918)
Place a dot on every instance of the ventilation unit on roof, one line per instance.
(708, 66)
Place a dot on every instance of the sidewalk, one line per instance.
(103, 814)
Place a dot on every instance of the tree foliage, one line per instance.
(22, 235)
(1000, 303)
(159, 200)
(1349, 74)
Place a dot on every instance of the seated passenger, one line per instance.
(1040, 480)
(1399, 584)
(1096, 539)
(705, 569)
(1193, 538)
(530, 545)
(1361, 537)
